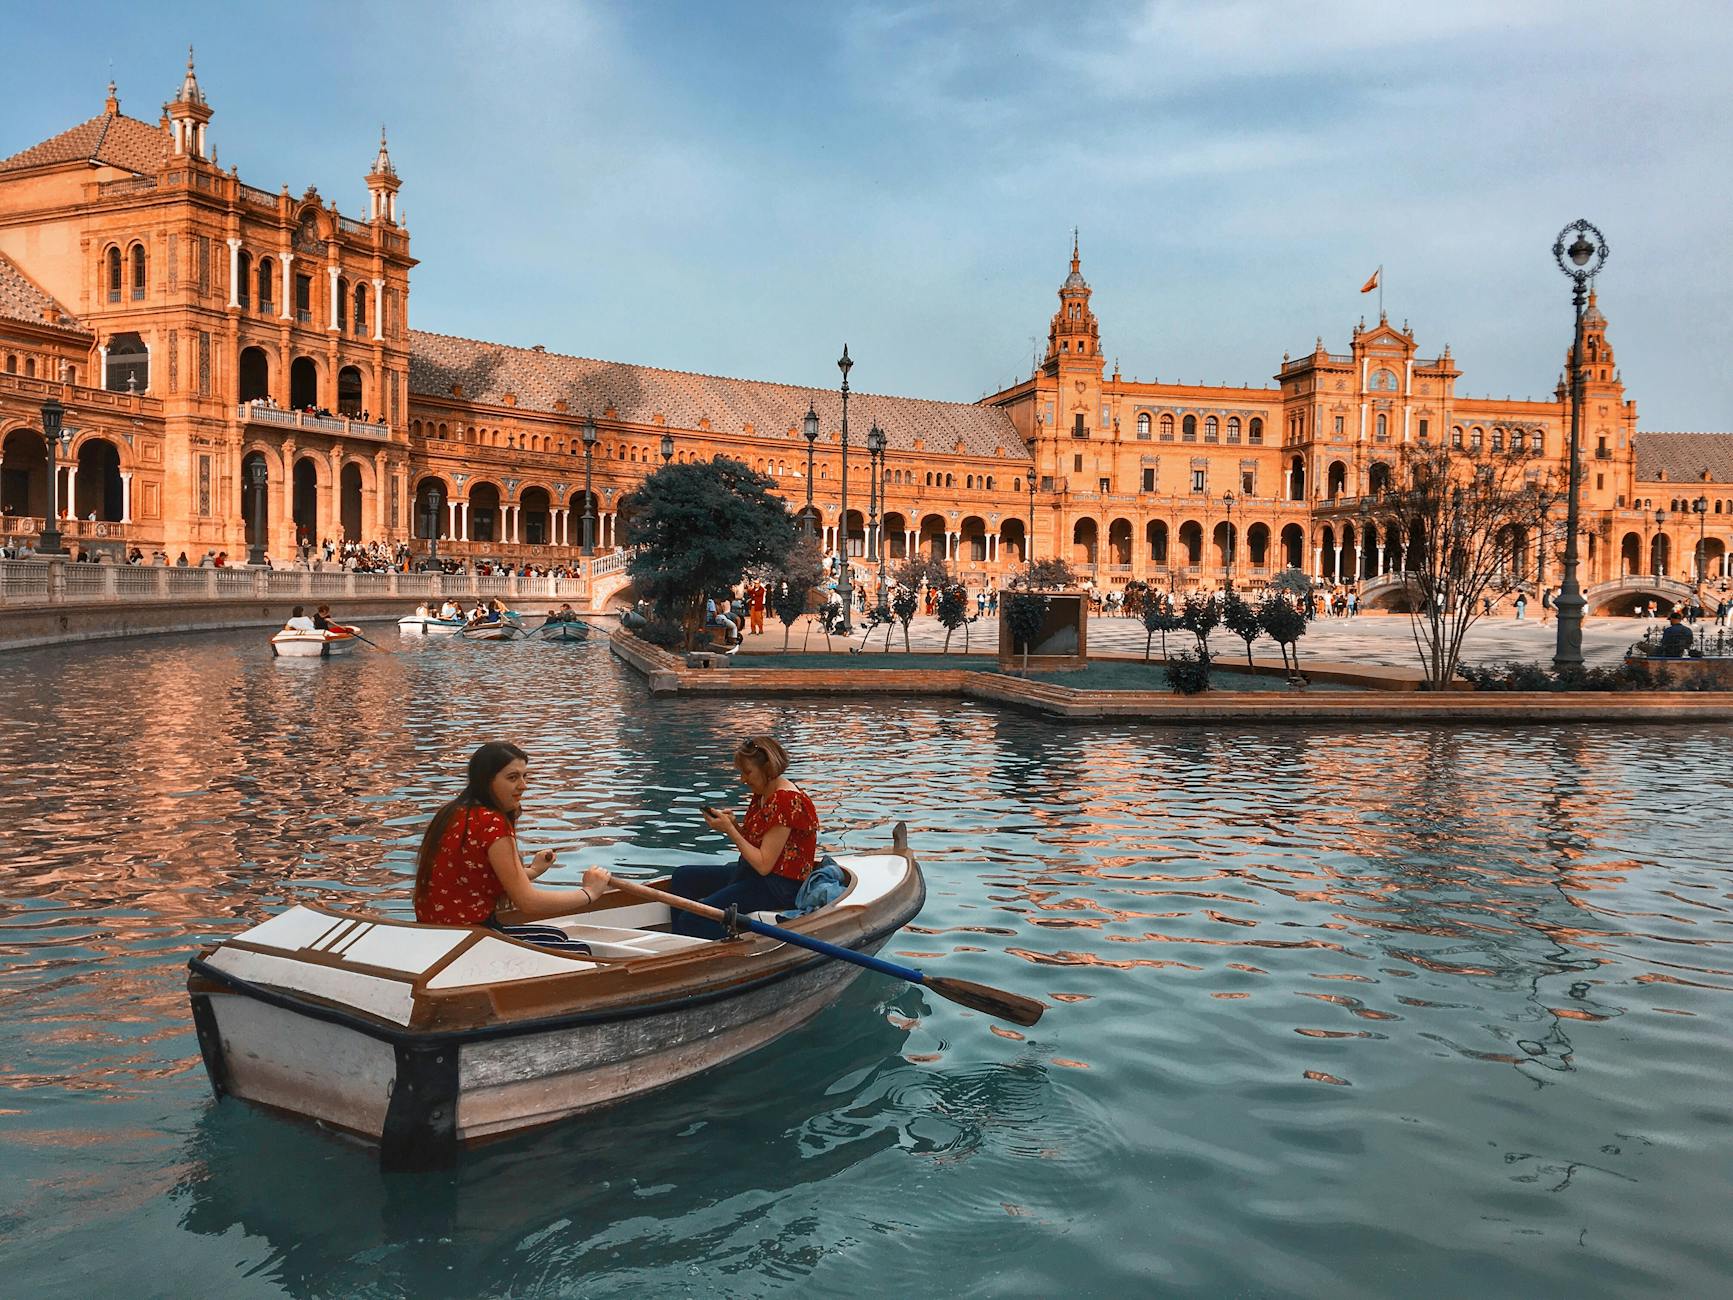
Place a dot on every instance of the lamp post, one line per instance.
(1228, 501)
(257, 473)
(589, 496)
(1029, 540)
(667, 448)
(1660, 523)
(1700, 508)
(54, 432)
(875, 543)
(1581, 260)
(435, 503)
(845, 365)
(809, 428)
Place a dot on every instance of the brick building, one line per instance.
(194, 324)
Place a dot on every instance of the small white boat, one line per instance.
(427, 625)
(290, 644)
(507, 629)
(420, 1038)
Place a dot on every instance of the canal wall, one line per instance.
(49, 602)
(667, 674)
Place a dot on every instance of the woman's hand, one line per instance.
(596, 881)
(540, 863)
(719, 819)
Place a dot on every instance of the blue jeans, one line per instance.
(723, 886)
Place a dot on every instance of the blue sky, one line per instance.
(738, 188)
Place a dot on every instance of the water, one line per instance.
(1334, 1012)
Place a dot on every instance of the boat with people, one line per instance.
(312, 643)
(563, 624)
(505, 629)
(420, 1038)
(429, 622)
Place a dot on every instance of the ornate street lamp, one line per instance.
(589, 496)
(257, 473)
(1228, 501)
(59, 439)
(845, 365)
(875, 543)
(809, 428)
(435, 503)
(667, 448)
(1700, 508)
(1029, 540)
(1581, 259)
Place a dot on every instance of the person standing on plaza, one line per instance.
(1545, 605)
(777, 844)
(1520, 605)
(756, 598)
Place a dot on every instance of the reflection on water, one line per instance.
(1332, 1011)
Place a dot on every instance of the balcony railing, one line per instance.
(258, 198)
(340, 426)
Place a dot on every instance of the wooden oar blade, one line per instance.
(989, 1001)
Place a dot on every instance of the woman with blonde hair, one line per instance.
(777, 840)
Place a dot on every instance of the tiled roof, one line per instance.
(112, 138)
(20, 299)
(536, 380)
(1682, 457)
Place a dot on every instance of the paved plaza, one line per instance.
(1384, 640)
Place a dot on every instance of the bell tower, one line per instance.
(382, 185)
(188, 114)
(1074, 336)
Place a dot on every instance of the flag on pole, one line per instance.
(1373, 282)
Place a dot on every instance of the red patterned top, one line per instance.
(462, 888)
(790, 808)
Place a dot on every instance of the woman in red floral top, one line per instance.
(777, 841)
(468, 871)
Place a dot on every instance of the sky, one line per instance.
(739, 189)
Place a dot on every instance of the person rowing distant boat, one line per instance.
(468, 870)
(777, 841)
(449, 610)
(322, 622)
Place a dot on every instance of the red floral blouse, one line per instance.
(790, 808)
(462, 888)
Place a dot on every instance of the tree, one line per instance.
(903, 605)
(696, 528)
(1025, 612)
(1466, 511)
(952, 610)
(1157, 619)
(1046, 575)
(1199, 615)
(1285, 625)
(1241, 617)
(919, 569)
(792, 584)
(1291, 582)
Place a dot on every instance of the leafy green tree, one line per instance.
(1046, 575)
(952, 610)
(697, 528)
(1291, 582)
(1199, 615)
(793, 584)
(1241, 617)
(919, 569)
(1025, 612)
(903, 606)
(1157, 619)
(1188, 674)
(1285, 625)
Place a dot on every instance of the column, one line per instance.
(288, 289)
(1338, 564)
(331, 276)
(234, 272)
(463, 521)
(511, 523)
(1381, 569)
(911, 539)
(102, 352)
(1318, 561)
(378, 310)
(126, 496)
(451, 523)
(70, 499)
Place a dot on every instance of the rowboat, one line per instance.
(420, 1039)
(507, 629)
(564, 630)
(426, 625)
(312, 645)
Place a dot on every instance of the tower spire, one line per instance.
(382, 184)
(189, 113)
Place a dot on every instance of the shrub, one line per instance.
(1188, 674)
(1025, 612)
(665, 632)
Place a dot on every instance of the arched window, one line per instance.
(114, 275)
(1211, 429)
(138, 272)
(1498, 439)
(244, 279)
(1476, 437)
(1143, 424)
(267, 283)
(342, 304)
(1233, 428)
(1257, 431)
(1518, 440)
(1383, 425)
(989, 482)
(360, 309)
(128, 364)
(1537, 443)
(1167, 428)
(1188, 429)
(1456, 435)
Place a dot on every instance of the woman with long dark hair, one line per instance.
(468, 871)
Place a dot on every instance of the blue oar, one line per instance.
(993, 1002)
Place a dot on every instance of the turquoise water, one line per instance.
(1333, 1012)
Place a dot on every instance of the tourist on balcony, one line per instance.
(181, 563)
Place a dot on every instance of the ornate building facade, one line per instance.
(196, 327)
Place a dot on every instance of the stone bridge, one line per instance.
(1621, 596)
